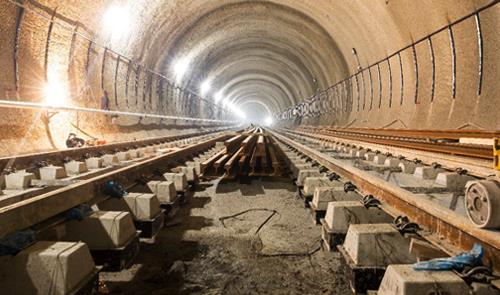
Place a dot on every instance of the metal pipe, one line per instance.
(41, 106)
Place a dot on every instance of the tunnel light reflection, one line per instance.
(205, 87)
(268, 121)
(116, 21)
(234, 109)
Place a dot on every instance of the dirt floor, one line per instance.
(257, 252)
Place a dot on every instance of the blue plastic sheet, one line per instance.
(14, 243)
(79, 212)
(114, 189)
(459, 262)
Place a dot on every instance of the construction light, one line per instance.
(116, 21)
(55, 94)
(180, 68)
(218, 97)
(268, 121)
(205, 87)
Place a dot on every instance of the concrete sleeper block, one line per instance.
(453, 180)
(408, 167)
(341, 214)
(102, 230)
(141, 206)
(376, 245)
(75, 167)
(311, 183)
(110, 160)
(179, 180)
(47, 268)
(324, 195)
(305, 173)
(425, 172)
(404, 280)
(18, 180)
(392, 162)
(52, 173)
(369, 156)
(94, 163)
(379, 159)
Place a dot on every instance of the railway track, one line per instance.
(361, 204)
(444, 224)
(94, 217)
(145, 182)
(445, 142)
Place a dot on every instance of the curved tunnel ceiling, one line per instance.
(255, 50)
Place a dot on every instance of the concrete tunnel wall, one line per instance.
(261, 56)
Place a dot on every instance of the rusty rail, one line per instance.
(397, 140)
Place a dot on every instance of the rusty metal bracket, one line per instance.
(116, 79)
(480, 53)
(453, 62)
(19, 21)
(72, 48)
(415, 63)
(127, 79)
(379, 86)
(433, 64)
(371, 87)
(47, 44)
(103, 66)
(87, 62)
(402, 78)
(496, 153)
(390, 82)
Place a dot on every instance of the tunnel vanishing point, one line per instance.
(388, 109)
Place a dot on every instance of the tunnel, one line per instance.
(331, 83)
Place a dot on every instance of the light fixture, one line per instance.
(205, 87)
(180, 68)
(268, 121)
(116, 21)
(55, 94)
(218, 97)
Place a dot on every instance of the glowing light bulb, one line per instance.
(116, 21)
(218, 97)
(180, 68)
(205, 87)
(55, 94)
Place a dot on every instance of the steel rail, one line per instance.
(57, 157)
(32, 211)
(415, 133)
(443, 224)
(473, 151)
